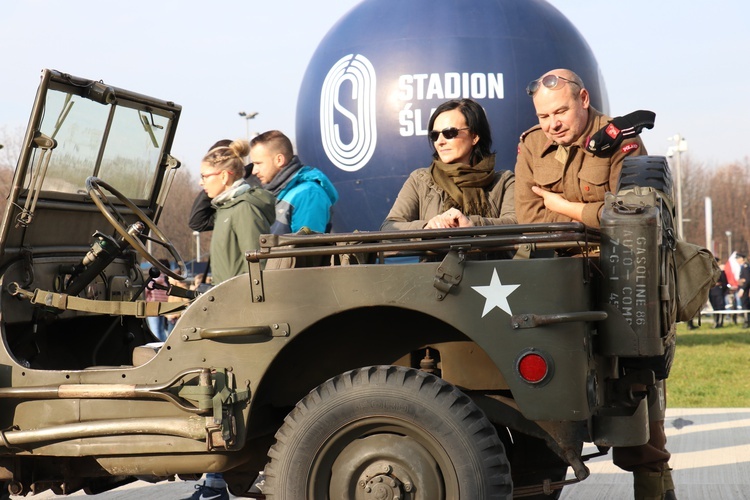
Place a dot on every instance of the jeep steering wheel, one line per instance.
(94, 187)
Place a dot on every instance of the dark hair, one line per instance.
(221, 143)
(476, 120)
(276, 142)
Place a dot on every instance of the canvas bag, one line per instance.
(697, 271)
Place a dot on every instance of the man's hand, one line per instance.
(556, 203)
(450, 218)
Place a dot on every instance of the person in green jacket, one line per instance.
(243, 212)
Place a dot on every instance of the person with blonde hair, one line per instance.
(243, 212)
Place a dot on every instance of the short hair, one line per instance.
(578, 81)
(229, 158)
(740, 256)
(276, 141)
(476, 120)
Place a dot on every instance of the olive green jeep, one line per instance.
(471, 363)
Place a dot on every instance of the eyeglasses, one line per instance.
(203, 176)
(549, 81)
(448, 133)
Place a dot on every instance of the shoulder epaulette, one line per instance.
(532, 129)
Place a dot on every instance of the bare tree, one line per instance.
(695, 179)
(174, 219)
(728, 187)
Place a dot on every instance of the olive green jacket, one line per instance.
(421, 199)
(239, 222)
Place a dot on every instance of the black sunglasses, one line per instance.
(448, 133)
(549, 81)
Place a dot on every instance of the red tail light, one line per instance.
(533, 367)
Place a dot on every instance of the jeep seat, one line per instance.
(142, 354)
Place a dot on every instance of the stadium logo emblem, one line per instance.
(358, 120)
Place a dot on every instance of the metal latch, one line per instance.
(449, 272)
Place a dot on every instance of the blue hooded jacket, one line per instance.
(304, 198)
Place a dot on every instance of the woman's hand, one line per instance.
(450, 218)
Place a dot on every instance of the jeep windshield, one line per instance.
(81, 128)
(89, 185)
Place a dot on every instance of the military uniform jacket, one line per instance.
(421, 199)
(583, 178)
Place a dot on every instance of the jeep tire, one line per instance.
(387, 432)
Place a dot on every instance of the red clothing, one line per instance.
(155, 294)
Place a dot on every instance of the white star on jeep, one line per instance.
(496, 294)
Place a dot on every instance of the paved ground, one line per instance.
(710, 456)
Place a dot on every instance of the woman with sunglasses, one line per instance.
(461, 187)
(243, 212)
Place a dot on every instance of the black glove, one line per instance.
(604, 142)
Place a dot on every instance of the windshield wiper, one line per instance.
(149, 126)
(46, 144)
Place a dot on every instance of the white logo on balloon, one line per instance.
(358, 72)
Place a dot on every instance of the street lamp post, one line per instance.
(197, 237)
(679, 147)
(729, 243)
(248, 117)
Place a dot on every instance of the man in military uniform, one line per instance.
(562, 176)
(559, 178)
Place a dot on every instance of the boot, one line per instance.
(668, 485)
(648, 485)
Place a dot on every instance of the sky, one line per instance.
(686, 61)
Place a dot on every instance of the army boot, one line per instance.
(668, 485)
(648, 485)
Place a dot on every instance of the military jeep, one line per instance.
(471, 363)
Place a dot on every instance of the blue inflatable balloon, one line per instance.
(378, 74)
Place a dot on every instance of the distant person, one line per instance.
(461, 187)
(743, 287)
(304, 195)
(156, 291)
(174, 316)
(717, 296)
(243, 212)
(202, 212)
(198, 280)
(559, 180)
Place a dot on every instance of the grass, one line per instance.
(711, 367)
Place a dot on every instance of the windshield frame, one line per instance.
(114, 100)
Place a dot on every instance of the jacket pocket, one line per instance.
(547, 176)
(594, 181)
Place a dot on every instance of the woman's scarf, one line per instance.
(237, 188)
(465, 185)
